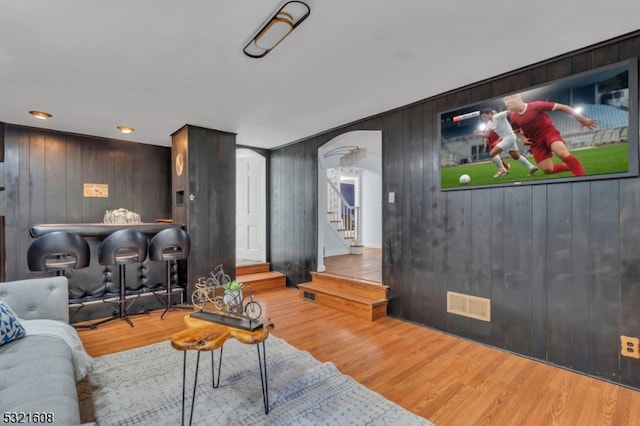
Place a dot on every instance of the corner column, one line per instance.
(204, 199)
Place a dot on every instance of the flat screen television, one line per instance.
(608, 95)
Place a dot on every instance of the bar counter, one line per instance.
(90, 286)
(99, 229)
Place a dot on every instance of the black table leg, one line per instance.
(215, 383)
(195, 383)
(184, 379)
(263, 376)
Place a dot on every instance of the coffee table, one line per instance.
(257, 337)
(200, 339)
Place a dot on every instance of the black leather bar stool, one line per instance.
(120, 248)
(170, 245)
(60, 252)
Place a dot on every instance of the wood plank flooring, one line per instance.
(366, 266)
(449, 380)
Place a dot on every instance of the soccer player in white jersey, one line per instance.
(499, 123)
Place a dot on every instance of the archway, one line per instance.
(350, 170)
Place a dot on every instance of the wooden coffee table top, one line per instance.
(244, 336)
(205, 338)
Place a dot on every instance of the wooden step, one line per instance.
(361, 298)
(263, 281)
(253, 268)
(357, 286)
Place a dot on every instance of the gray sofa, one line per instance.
(38, 372)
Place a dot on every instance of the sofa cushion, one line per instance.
(36, 375)
(10, 327)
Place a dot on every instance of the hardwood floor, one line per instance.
(366, 266)
(449, 380)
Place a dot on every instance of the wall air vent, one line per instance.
(469, 306)
(309, 296)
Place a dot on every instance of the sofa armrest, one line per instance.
(38, 298)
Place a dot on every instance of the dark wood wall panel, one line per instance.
(500, 321)
(414, 159)
(560, 262)
(211, 214)
(629, 320)
(479, 283)
(55, 176)
(44, 172)
(580, 295)
(10, 207)
(422, 268)
(538, 270)
(559, 275)
(605, 267)
(518, 262)
(38, 176)
(74, 199)
(437, 247)
(458, 227)
(23, 203)
(293, 213)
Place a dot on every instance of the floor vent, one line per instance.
(469, 306)
(309, 296)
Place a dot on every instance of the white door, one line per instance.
(250, 206)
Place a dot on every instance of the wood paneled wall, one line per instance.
(43, 174)
(560, 262)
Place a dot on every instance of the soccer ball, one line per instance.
(464, 179)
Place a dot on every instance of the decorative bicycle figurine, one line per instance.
(234, 303)
(206, 291)
(226, 295)
(218, 277)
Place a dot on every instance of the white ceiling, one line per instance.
(159, 64)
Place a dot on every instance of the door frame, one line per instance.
(355, 137)
(263, 202)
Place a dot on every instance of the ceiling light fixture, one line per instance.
(126, 129)
(277, 28)
(41, 115)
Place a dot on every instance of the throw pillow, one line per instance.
(10, 327)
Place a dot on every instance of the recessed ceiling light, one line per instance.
(40, 114)
(126, 129)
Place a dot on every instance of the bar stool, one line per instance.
(120, 248)
(170, 245)
(60, 252)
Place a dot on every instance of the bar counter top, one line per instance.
(100, 229)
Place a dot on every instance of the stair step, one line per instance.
(356, 286)
(361, 298)
(253, 268)
(263, 281)
(356, 249)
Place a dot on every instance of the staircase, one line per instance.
(344, 219)
(345, 234)
(364, 299)
(260, 277)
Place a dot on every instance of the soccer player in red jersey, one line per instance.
(535, 128)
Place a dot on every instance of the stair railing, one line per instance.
(340, 211)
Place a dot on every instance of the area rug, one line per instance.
(144, 387)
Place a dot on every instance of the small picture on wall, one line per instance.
(581, 127)
(99, 190)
